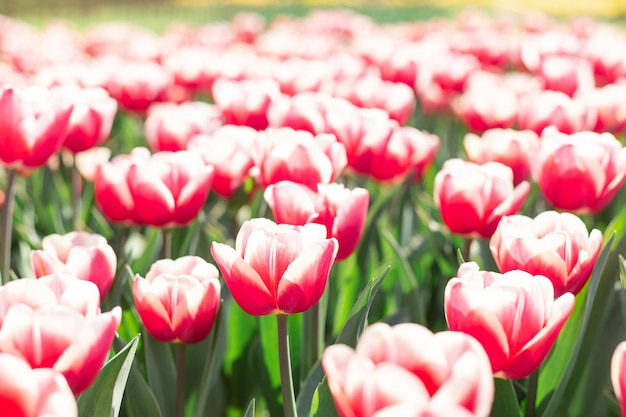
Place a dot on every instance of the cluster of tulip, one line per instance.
(246, 170)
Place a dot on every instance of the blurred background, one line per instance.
(157, 14)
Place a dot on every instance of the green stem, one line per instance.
(6, 226)
(466, 251)
(531, 394)
(77, 183)
(205, 384)
(286, 380)
(166, 250)
(180, 380)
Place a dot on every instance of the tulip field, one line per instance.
(322, 215)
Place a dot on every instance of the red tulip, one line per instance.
(163, 190)
(32, 126)
(297, 155)
(245, 102)
(92, 116)
(27, 392)
(229, 151)
(341, 210)
(555, 245)
(87, 256)
(513, 315)
(473, 198)
(276, 269)
(406, 370)
(618, 375)
(511, 147)
(178, 300)
(170, 126)
(580, 172)
(62, 339)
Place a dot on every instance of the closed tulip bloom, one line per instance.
(62, 339)
(482, 110)
(513, 315)
(245, 102)
(49, 291)
(178, 300)
(341, 210)
(580, 172)
(164, 190)
(276, 269)
(87, 256)
(511, 147)
(406, 370)
(170, 126)
(555, 245)
(571, 75)
(473, 198)
(32, 126)
(618, 375)
(555, 108)
(92, 116)
(27, 392)
(297, 155)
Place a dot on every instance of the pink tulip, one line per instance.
(170, 126)
(87, 162)
(50, 291)
(229, 151)
(32, 126)
(178, 300)
(92, 116)
(85, 255)
(297, 155)
(276, 269)
(555, 245)
(60, 338)
(608, 103)
(482, 110)
(618, 375)
(245, 102)
(27, 392)
(341, 210)
(513, 315)
(473, 198)
(406, 370)
(303, 111)
(567, 74)
(512, 148)
(580, 172)
(554, 108)
(165, 189)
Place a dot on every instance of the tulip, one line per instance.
(32, 127)
(87, 162)
(85, 255)
(482, 110)
(92, 116)
(229, 151)
(473, 198)
(297, 155)
(618, 375)
(580, 172)
(303, 111)
(554, 108)
(245, 102)
(276, 269)
(27, 392)
(514, 316)
(170, 126)
(555, 245)
(567, 74)
(178, 300)
(50, 291)
(165, 189)
(62, 339)
(406, 370)
(340, 210)
(511, 147)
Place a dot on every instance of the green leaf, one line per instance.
(250, 409)
(349, 335)
(323, 405)
(504, 401)
(104, 397)
(597, 277)
(161, 372)
(139, 400)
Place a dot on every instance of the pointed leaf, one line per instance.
(504, 401)
(250, 409)
(161, 372)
